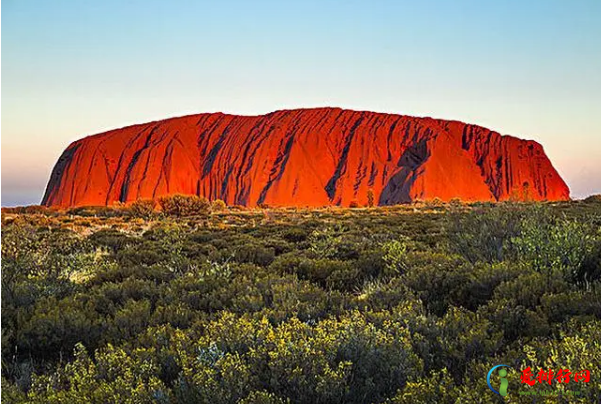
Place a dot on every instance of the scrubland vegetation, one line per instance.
(203, 303)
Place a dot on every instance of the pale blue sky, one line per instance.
(74, 68)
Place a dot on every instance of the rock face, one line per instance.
(304, 157)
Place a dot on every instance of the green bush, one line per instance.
(113, 377)
(560, 246)
(483, 234)
(184, 205)
(395, 256)
(577, 348)
(325, 243)
(144, 208)
(98, 211)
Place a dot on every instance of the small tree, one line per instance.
(370, 198)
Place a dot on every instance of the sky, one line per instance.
(74, 68)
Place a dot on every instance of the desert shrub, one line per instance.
(480, 281)
(327, 272)
(530, 234)
(441, 281)
(560, 307)
(98, 211)
(13, 392)
(593, 198)
(38, 209)
(354, 204)
(560, 246)
(344, 276)
(254, 253)
(287, 263)
(129, 320)
(384, 295)
(144, 208)
(32, 210)
(577, 348)
(434, 203)
(395, 256)
(278, 245)
(42, 263)
(111, 239)
(464, 337)
(289, 297)
(113, 376)
(325, 243)
(383, 368)
(590, 267)
(434, 278)
(515, 321)
(300, 361)
(22, 253)
(437, 388)
(483, 234)
(371, 263)
(218, 205)
(263, 397)
(184, 205)
(295, 235)
(54, 327)
(528, 287)
(455, 203)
